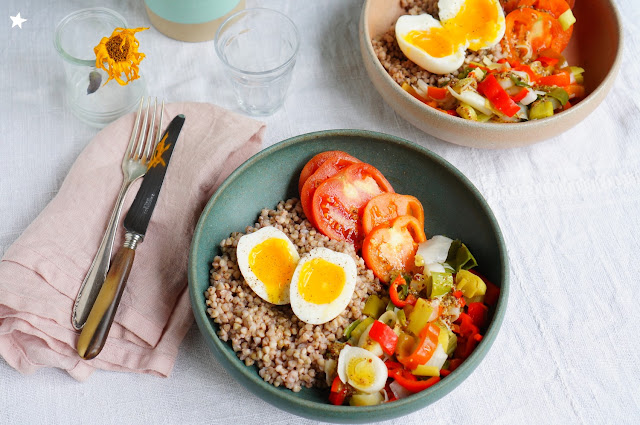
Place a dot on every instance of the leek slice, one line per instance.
(541, 109)
(473, 99)
(467, 112)
(364, 399)
(567, 19)
(560, 94)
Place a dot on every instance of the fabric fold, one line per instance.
(41, 273)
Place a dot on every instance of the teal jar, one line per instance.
(190, 20)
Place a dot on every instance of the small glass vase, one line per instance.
(86, 93)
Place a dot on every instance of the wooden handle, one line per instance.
(96, 329)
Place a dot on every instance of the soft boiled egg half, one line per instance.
(267, 259)
(322, 285)
(439, 45)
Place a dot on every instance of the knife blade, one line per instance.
(96, 329)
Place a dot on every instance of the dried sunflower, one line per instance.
(119, 54)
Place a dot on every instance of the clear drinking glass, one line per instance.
(258, 48)
(75, 37)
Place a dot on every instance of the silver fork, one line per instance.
(144, 137)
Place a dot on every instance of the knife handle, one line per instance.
(96, 329)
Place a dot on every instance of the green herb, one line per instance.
(459, 256)
(560, 94)
(352, 326)
(403, 291)
(518, 81)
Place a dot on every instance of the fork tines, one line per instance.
(145, 136)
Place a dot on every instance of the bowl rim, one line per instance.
(572, 113)
(327, 412)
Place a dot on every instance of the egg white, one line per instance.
(246, 244)
(317, 314)
(349, 354)
(448, 9)
(407, 23)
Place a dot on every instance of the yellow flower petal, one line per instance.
(118, 54)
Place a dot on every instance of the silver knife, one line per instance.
(96, 329)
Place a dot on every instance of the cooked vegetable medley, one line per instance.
(426, 326)
(436, 307)
(531, 81)
(364, 297)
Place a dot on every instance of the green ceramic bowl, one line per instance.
(453, 207)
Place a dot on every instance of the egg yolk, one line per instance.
(476, 22)
(321, 281)
(361, 372)
(273, 265)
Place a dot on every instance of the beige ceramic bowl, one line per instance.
(596, 45)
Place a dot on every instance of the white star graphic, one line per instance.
(17, 20)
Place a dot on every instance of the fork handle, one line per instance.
(96, 329)
(99, 266)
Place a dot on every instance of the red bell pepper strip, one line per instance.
(437, 93)
(451, 112)
(498, 96)
(560, 79)
(520, 95)
(385, 336)
(547, 61)
(467, 327)
(467, 345)
(478, 313)
(402, 372)
(395, 297)
(444, 372)
(454, 364)
(415, 386)
(391, 365)
(339, 392)
(426, 346)
(533, 77)
(390, 394)
(484, 68)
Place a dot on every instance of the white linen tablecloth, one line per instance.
(569, 209)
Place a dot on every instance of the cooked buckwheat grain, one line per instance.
(401, 69)
(285, 350)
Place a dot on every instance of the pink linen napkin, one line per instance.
(41, 272)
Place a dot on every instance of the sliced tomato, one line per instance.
(329, 168)
(392, 246)
(509, 5)
(554, 7)
(338, 202)
(387, 206)
(529, 31)
(314, 163)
